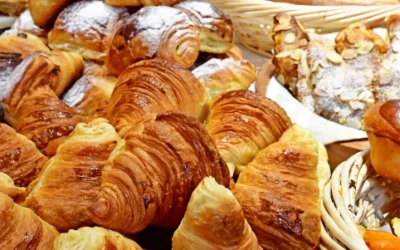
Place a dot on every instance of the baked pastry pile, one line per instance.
(339, 80)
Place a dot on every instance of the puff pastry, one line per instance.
(153, 173)
(242, 123)
(216, 28)
(201, 228)
(161, 32)
(22, 43)
(86, 27)
(154, 86)
(71, 180)
(19, 157)
(279, 192)
(22, 229)
(219, 76)
(8, 187)
(94, 238)
(43, 11)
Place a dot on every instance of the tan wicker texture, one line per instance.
(253, 18)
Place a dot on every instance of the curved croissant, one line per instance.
(154, 86)
(242, 123)
(22, 229)
(279, 192)
(220, 76)
(161, 32)
(153, 173)
(45, 119)
(71, 180)
(216, 28)
(8, 187)
(201, 228)
(22, 43)
(94, 238)
(19, 157)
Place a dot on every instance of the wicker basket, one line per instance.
(253, 19)
(355, 198)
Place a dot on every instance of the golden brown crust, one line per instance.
(22, 43)
(279, 192)
(242, 123)
(19, 158)
(7, 186)
(22, 229)
(154, 86)
(12, 7)
(44, 11)
(86, 27)
(216, 27)
(70, 181)
(235, 53)
(154, 172)
(161, 32)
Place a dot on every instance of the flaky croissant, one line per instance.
(154, 86)
(94, 238)
(153, 172)
(8, 187)
(219, 76)
(161, 32)
(242, 123)
(71, 180)
(22, 43)
(214, 220)
(235, 53)
(216, 28)
(279, 192)
(141, 2)
(22, 229)
(19, 157)
(43, 11)
(86, 27)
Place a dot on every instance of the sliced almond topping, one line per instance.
(365, 47)
(350, 37)
(281, 27)
(348, 54)
(364, 95)
(334, 57)
(284, 19)
(284, 54)
(290, 37)
(296, 55)
(315, 66)
(303, 42)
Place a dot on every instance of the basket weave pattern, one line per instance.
(253, 19)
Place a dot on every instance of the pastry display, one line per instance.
(201, 228)
(86, 27)
(163, 32)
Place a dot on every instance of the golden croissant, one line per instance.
(8, 187)
(214, 220)
(154, 86)
(279, 192)
(19, 157)
(153, 172)
(219, 76)
(94, 238)
(22, 229)
(161, 32)
(242, 123)
(71, 180)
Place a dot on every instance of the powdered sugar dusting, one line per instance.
(25, 23)
(208, 68)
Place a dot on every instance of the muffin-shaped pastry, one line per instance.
(382, 123)
(86, 28)
(216, 27)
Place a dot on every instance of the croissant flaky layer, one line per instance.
(154, 86)
(242, 123)
(19, 157)
(22, 229)
(279, 192)
(201, 228)
(7, 186)
(71, 180)
(94, 238)
(161, 32)
(153, 173)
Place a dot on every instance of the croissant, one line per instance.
(279, 192)
(19, 157)
(12, 7)
(71, 180)
(216, 28)
(154, 86)
(219, 76)
(22, 43)
(86, 27)
(43, 11)
(94, 238)
(235, 53)
(161, 32)
(242, 123)
(154, 172)
(141, 2)
(24, 24)
(89, 96)
(8, 187)
(22, 229)
(201, 228)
